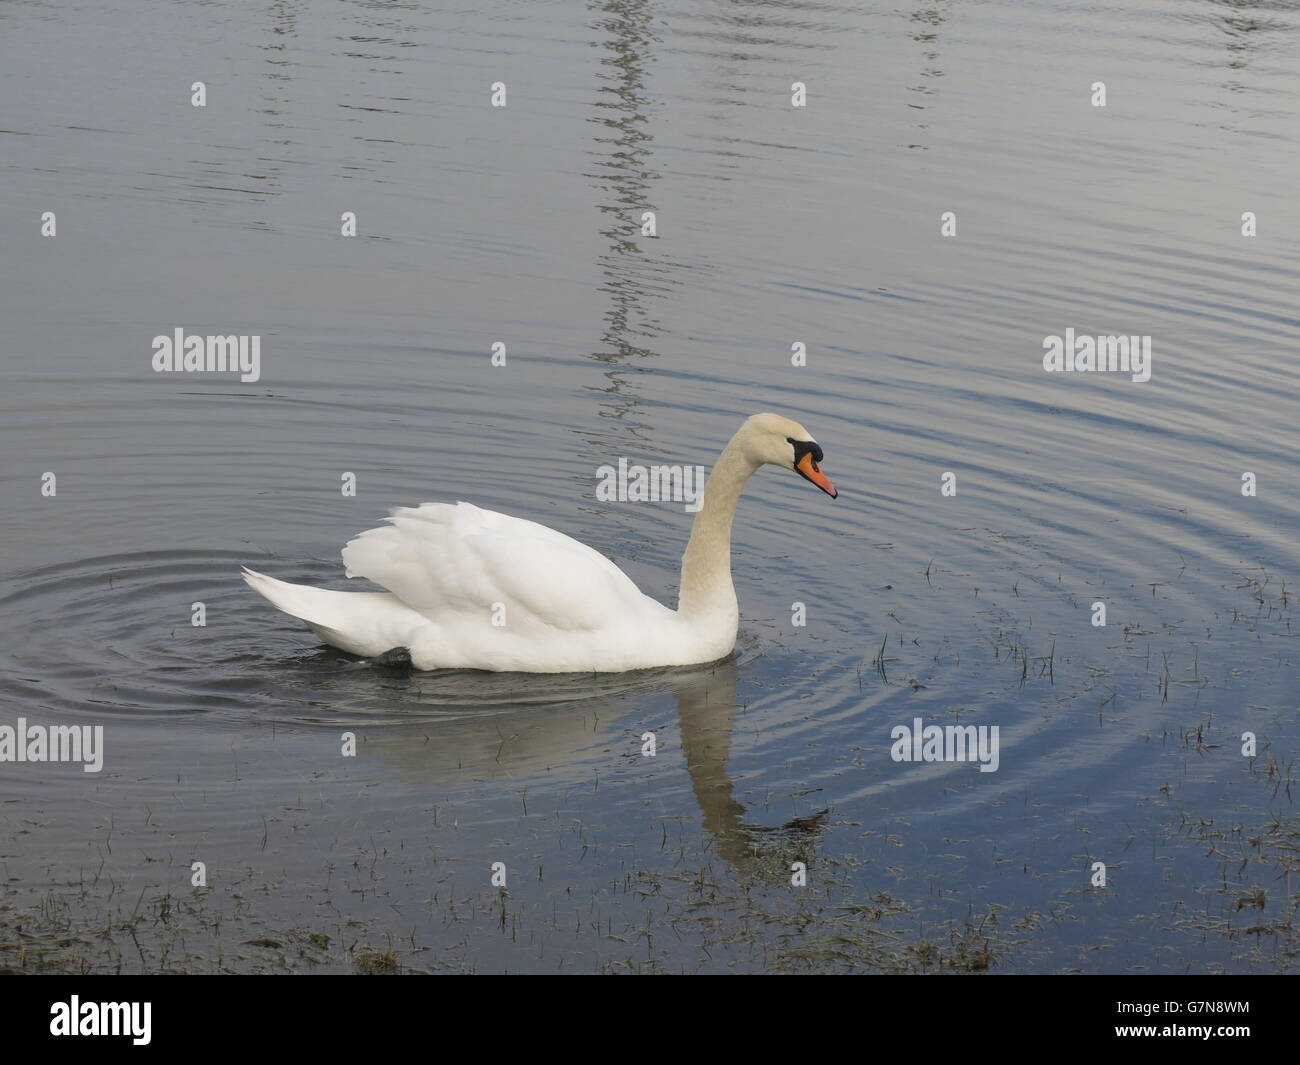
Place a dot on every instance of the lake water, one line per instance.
(775, 225)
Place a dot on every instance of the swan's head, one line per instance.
(772, 440)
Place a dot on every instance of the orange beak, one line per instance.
(809, 470)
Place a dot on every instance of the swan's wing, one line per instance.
(446, 560)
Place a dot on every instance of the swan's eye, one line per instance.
(806, 447)
(807, 459)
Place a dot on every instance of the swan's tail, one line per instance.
(362, 623)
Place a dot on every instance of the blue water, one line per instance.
(521, 225)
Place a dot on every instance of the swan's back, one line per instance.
(441, 559)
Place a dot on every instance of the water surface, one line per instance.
(775, 225)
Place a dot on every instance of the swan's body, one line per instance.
(474, 589)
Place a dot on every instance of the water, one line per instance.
(776, 225)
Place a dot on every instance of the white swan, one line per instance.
(473, 589)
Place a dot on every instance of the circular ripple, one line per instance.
(112, 635)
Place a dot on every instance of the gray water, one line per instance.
(521, 225)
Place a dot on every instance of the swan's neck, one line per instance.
(706, 587)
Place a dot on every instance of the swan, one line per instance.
(473, 589)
